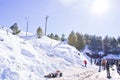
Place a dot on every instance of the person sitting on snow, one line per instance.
(54, 75)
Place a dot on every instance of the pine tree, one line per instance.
(57, 37)
(15, 29)
(118, 39)
(96, 44)
(39, 32)
(87, 39)
(63, 37)
(72, 39)
(114, 46)
(106, 44)
(51, 36)
(114, 43)
(80, 41)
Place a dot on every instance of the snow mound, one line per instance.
(30, 58)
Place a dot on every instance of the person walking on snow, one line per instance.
(85, 63)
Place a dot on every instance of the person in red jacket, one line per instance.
(85, 63)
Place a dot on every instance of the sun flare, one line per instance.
(99, 7)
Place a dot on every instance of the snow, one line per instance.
(30, 58)
(110, 56)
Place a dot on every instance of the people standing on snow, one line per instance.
(85, 63)
(108, 69)
(116, 62)
(91, 61)
(99, 63)
(103, 64)
(118, 69)
(118, 66)
(94, 61)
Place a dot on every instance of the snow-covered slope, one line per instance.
(31, 58)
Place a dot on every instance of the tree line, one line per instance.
(80, 41)
(108, 45)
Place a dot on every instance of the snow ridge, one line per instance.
(31, 58)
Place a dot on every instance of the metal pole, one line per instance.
(46, 18)
(26, 19)
(27, 28)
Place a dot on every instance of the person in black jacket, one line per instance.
(108, 69)
(118, 66)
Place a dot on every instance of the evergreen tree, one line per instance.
(96, 44)
(80, 41)
(63, 37)
(114, 43)
(87, 39)
(107, 44)
(15, 29)
(118, 39)
(93, 44)
(51, 36)
(72, 39)
(39, 32)
(118, 43)
(57, 37)
(114, 46)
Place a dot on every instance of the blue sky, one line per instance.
(83, 16)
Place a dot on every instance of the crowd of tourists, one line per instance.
(106, 64)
